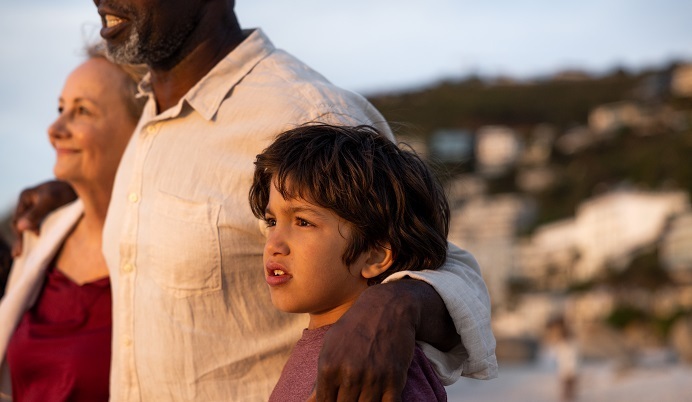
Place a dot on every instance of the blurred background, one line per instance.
(563, 133)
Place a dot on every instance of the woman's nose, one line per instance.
(58, 129)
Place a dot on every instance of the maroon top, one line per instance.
(300, 372)
(61, 348)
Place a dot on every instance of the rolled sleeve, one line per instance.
(461, 286)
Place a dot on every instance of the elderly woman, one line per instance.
(55, 335)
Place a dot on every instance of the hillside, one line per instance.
(650, 160)
(472, 103)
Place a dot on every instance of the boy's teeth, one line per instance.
(112, 21)
(278, 272)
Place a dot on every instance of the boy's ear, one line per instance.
(379, 259)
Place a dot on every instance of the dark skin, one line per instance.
(366, 354)
(5, 265)
(215, 35)
(34, 204)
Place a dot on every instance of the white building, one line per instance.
(606, 232)
(610, 228)
(681, 83)
(676, 248)
(497, 149)
(487, 227)
(613, 116)
(529, 317)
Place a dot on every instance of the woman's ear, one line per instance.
(378, 260)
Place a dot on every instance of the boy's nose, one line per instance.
(276, 243)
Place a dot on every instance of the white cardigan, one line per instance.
(26, 277)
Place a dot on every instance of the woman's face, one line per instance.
(93, 125)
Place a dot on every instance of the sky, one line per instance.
(368, 46)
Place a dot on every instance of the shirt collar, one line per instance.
(208, 94)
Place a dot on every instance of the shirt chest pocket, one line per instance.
(183, 244)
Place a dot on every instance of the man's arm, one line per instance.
(36, 203)
(460, 284)
(366, 354)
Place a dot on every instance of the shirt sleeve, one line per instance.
(461, 286)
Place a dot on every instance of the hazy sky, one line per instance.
(363, 45)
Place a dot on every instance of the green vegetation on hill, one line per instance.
(661, 160)
(472, 103)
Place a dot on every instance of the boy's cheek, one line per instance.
(263, 227)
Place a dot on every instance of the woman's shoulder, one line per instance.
(54, 227)
(67, 213)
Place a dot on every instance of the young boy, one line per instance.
(344, 208)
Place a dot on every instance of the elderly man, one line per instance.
(192, 319)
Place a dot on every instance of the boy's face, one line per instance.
(303, 260)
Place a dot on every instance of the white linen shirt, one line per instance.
(192, 316)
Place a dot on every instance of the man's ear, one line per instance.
(378, 260)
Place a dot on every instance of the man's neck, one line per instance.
(171, 84)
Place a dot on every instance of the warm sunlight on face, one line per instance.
(93, 125)
(302, 260)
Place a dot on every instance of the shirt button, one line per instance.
(151, 129)
(128, 268)
(133, 197)
(127, 342)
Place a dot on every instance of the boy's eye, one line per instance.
(83, 111)
(303, 222)
(270, 222)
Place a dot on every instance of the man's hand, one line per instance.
(367, 353)
(35, 204)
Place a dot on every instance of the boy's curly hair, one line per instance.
(387, 194)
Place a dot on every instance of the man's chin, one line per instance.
(124, 53)
(118, 55)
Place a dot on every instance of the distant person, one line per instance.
(191, 319)
(55, 335)
(5, 264)
(566, 354)
(344, 208)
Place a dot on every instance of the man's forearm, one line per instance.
(34, 204)
(419, 303)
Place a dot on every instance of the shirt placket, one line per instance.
(128, 265)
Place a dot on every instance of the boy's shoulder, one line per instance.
(422, 383)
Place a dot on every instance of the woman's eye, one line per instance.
(60, 109)
(83, 111)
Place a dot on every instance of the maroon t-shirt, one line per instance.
(61, 348)
(300, 372)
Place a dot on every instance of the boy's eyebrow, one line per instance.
(297, 209)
